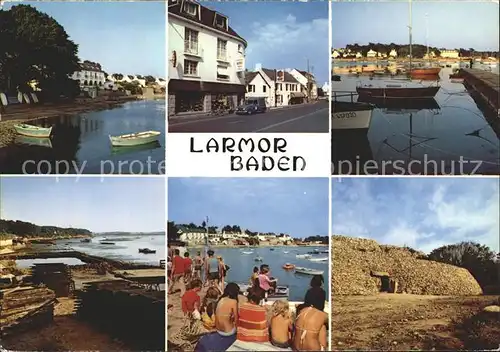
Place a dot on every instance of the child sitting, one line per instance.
(280, 328)
(191, 300)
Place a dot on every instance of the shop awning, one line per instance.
(297, 95)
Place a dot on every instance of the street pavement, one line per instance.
(307, 118)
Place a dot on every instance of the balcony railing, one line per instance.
(222, 55)
(191, 47)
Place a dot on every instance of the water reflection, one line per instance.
(37, 142)
(81, 142)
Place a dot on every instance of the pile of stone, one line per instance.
(355, 259)
(23, 308)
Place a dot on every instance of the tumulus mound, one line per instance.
(355, 258)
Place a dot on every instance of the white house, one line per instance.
(451, 54)
(307, 82)
(336, 54)
(359, 55)
(371, 53)
(192, 235)
(393, 53)
(278, 87)
(206, 59)
(90, 75)
(326, 89)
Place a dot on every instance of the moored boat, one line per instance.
(351, 115)
(259, 259)
(106, 242)
(246, 252)
(134, 139)
(86, 240)
(33, 131)
(308, 271)
(325, 259)
(303, 256)
(425, 71)
(288, 266)
(146, 251)
(398, 91)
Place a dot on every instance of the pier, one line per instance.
(485, 84)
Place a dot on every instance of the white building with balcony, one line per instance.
(278, 87)
(90, 75)
(307, 83)
(206, 59)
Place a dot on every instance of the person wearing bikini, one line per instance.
(311, 322)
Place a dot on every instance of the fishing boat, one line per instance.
(33, 131)
(303, 256)
(325, 259)
(307, 271)
(134, 139)
(146, 251)
(288, 266)
(281, 292)
(259, 259)
(106, 242)
(351, 115)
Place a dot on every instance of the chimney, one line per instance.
(258, 67)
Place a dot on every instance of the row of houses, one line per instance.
(348, 53)
(207, 65)
(198, 236)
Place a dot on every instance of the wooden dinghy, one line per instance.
(134, 139)
(33, 131)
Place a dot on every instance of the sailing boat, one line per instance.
(425, 71)
(399, 90)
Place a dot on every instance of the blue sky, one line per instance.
(282, 34)
(124, 37)
(459, 24)
(297, 206)
(423, 213)
(116, 204)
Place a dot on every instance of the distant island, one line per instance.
(394, 51)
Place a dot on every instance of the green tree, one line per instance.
(35, 47)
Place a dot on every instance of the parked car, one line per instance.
(252, 106)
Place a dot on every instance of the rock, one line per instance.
(491, 309)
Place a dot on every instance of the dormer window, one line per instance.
(220, 21)
(191, 8)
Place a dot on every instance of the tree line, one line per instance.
(27, 229)
(418, 50)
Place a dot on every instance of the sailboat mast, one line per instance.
(427, 35)
(409, 32)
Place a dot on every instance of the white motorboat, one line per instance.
(307, 271)
(325, 259)
(303, 256)
(246, 252)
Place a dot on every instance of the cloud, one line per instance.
(421, 213)
(288, 43)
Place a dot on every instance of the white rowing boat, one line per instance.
(133, 139)
(307, 271)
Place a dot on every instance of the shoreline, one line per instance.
(259, 246)
(27, 112)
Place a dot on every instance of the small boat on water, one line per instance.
(425, 71)
(286, 252)
(288, 266)
(271, 249)
(336, 78)
(134, 139)
(106, 242)
(86, 240)
(147, 251)
(397, 91)
(259, 259)
(33, 131)
(281, 292)
(307, 271)
(303, 256)
(246, 252)
(325, 259)
(351, 115)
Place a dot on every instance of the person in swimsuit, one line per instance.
(198, 264)
(311, 322)
(223, 271)
(226, 311)
(212, 270)
(280, 327)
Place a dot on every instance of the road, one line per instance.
(308, 118)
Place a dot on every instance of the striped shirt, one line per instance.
(252, 323)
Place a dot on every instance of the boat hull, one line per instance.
(389, 92)
(431, 71)
(134, 140)
(33, 131)
(351, 120)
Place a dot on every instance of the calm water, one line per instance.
(443, 130)
(242, 266)
(82, 140)
(122, 250)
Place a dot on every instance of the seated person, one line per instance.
(280, 328)
(226, 311)
(191, 300)
(311, 322)
(208, 308)
(252, 319)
